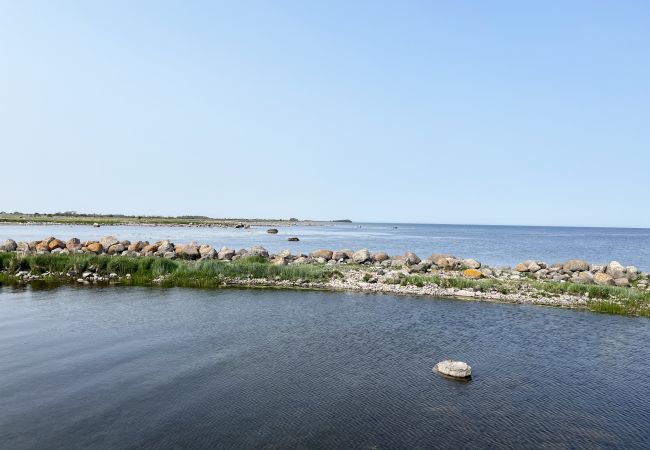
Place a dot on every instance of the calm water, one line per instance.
(494, 245)
(128, 367)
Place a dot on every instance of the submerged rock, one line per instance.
(293, 239)
(455, 369)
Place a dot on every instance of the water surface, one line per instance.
(162, 368)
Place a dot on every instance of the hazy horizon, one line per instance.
(504, 113)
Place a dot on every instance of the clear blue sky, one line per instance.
(494, 112)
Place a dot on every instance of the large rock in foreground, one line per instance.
(455, 369)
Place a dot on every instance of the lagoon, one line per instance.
(147, 367)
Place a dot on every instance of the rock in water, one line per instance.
(272, 231)
(455, 369)
(293, 239)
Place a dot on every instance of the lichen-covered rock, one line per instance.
(576, 265)
(472, 273)
(603, 279)
(455, 369)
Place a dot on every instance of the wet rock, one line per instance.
(96, 225)
(293, 239)
(455, 369)
(272, 231)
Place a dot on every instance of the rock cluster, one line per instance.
(580, 271)
(573, 270)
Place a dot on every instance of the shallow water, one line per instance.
(494, 245)
(133, 367)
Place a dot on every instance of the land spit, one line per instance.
(575, 283)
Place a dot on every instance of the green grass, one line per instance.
(144, 270)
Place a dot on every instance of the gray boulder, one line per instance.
(615, 270)
(471, 264)
(258, 250)
(361, 256)
(10, 245)
(455, 369)
(107, 241)
(576, 265)
(225, 253)
(411, 258)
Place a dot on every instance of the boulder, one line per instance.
(206, 249)
(361, 256)
(94, 247)
(380, 257)
(339, 255)
(22, 247)
(96, 225)
(472, 273)
(623, 282)
(279, 261)
(576, 265)
(10, 245)
(137, 246)
(107, 241)
(73, 244)
(272, 231)
(530, 266)
(42, 247)
(631, 272)
(471, 264)
(258, 250)
(603, 279)
(411, 258)
(116, 249)
(615, 270)
(165, 247)
(293, 239)
(325, 254)
(225, 253)
(455, 369)
(55, 243)
(190, 251)
(149, 248)
(584, 277)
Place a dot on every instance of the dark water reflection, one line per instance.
(127, 367)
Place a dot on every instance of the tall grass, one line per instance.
(144, 270)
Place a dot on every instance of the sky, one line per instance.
(500, 112)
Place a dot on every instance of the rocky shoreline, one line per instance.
(573, 283)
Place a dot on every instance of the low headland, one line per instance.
(98, 220)
(611, 288)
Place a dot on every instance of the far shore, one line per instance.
(173, 221)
